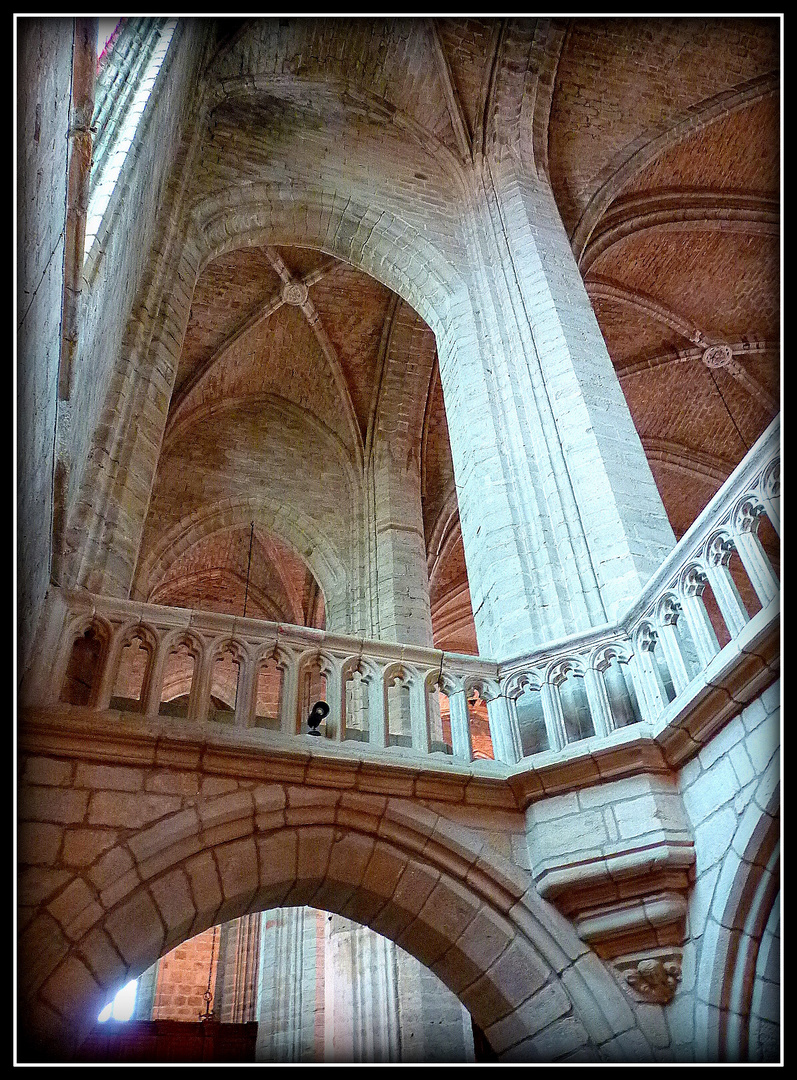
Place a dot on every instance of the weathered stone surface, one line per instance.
(39, 843)
(394, 339)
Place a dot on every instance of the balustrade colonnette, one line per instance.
(213, 668)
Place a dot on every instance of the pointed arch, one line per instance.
(513, 961)
(296, 529)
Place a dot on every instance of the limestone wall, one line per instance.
(44, 79)
(135, 223)
(122, 862)
(731, 793)
(681, 872)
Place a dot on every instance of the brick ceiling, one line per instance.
(661, 140)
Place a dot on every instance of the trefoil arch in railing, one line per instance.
(166, 662)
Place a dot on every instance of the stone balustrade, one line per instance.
(694, 624)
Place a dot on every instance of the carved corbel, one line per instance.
(621, 877)
(652, 978)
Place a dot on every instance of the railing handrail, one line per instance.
(656, 681)
(763, 451)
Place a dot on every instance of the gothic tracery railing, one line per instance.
(699, 615)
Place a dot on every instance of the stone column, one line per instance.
(239, 960)
(400, 577)
(400, 610)
(361, 1017)
(383, 1006)
(562, 523)
(435, 1027)
(399, 580)
(288, 997)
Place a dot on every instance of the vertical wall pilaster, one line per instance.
(288, 1002)
(400, 580)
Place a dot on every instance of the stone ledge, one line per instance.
(652, 912)
(735, 677)
(128, 739)
(591, 876)
(737, 674)
(625, 752)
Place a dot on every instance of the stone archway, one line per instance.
(294, 529)
(730, 966)
(518, 967)
(156, 329)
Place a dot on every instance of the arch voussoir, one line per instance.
(240, 878)
(445, 911)
(515, 963)
(518, 1030)
(277, 859)
(137, 930)
(507, 983)
(409, 895)
(348, 861)
(312, 861)
(206, 889)
(385, 867)
(172, 895)
(481, 943)
(103, 959)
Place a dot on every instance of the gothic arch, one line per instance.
(367, 234)
(750, 882)
(618, 175)
(97, 632)
(516, 965)
(294, 528)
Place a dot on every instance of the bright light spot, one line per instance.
(121, 1008)
(105, 29)
(104, 184)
